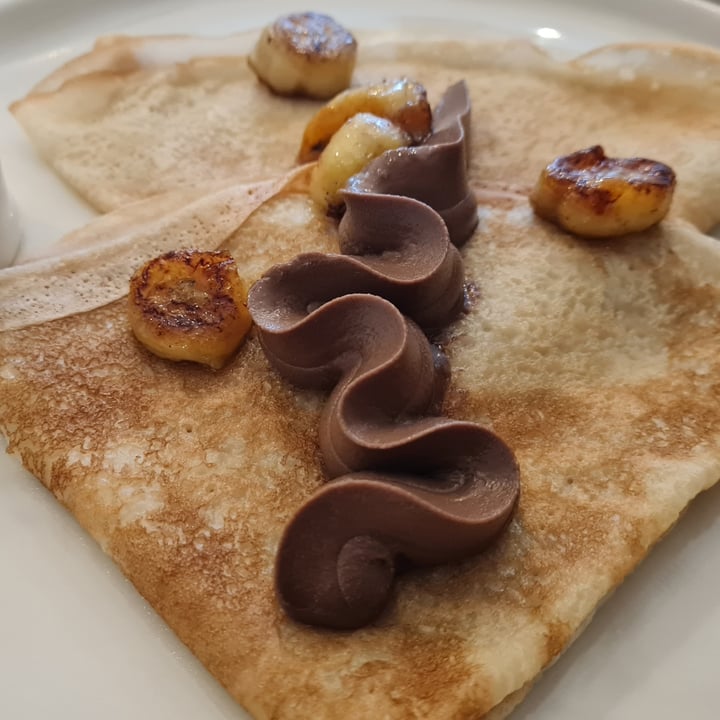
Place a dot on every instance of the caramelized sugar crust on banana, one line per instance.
(360, 140)
(590, 194)
(403, 102)
(189, 305)
(305, 54)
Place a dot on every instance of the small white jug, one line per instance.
(10, 231)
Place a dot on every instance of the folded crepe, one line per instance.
(597, 362)
(140, 116)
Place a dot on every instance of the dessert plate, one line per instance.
(77, 641)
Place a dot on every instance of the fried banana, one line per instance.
(306, 54)
(592, 195)
(361, 139)
(403, 102)
(189, 305)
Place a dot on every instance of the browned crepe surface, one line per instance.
(126, 121)
(597, 362)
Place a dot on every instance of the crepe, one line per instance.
(597, 362)
(136, 117)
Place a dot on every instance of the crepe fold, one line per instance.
(597, 362)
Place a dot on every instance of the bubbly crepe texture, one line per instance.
(137, 117)
(598, 363)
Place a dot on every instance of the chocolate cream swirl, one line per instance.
(410, 487)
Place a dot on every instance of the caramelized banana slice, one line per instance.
(403, 102)
(305, 54)
(592, 195)
(189, 305)
(362, 138)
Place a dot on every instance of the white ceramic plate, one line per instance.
(77, 642)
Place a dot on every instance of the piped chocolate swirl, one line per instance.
(408, 484)
(435, 172)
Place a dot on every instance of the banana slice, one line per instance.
(189, 305)
(362, 138)
(403, 102)
(305, 54)
(592, 195)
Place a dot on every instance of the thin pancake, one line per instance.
(129, 120)
(597, 362)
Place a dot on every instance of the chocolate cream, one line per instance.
(410, 487)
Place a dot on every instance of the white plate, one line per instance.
(77, 642)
